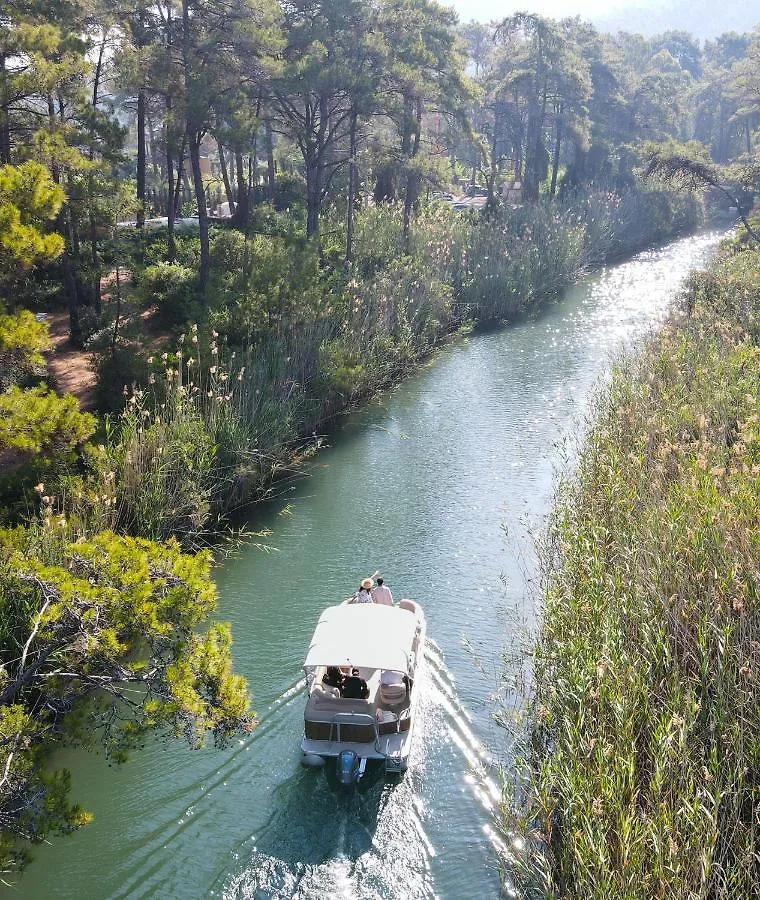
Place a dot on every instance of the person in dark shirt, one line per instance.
(333, 677)
(354, 687)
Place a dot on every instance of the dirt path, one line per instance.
(70, 368)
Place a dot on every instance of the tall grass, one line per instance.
(516, 259)
(212, 429)
(644, 747)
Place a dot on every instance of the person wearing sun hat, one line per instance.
(364, 594)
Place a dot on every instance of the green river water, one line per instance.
(440, 485)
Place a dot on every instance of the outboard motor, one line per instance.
(349, 767)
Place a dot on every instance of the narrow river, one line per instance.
(439, 485)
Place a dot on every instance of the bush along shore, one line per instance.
(290, 339)
(643, 750)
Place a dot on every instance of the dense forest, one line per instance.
(249, 215)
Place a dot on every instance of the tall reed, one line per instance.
(643, 752)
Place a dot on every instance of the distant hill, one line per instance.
(702, 18)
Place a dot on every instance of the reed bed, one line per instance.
(643, 755)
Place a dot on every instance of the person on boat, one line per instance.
(333, 677)
(354, 687)
(364, 594)
(382, 594)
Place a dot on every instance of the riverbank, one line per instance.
(643, 748)
(213, 424)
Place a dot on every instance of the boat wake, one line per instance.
(379, 839)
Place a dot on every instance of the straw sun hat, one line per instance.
(368, 584)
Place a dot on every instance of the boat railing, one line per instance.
(352, 718)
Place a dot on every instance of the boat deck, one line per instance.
(380, 726)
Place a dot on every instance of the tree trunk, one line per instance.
(91, 188)
(155, 161)
(141, 156)
(272, 187)
(243, 199)
(385, 189)
(534, 126)
(406, 132)
(226, 178)
(491, 202)
(171, 199)
(117, 319)
(72, 295)
(313, 193)
(200, 197)
(530, 180)
(555, 158)
(352, 166)
(62, 223)
(720, 155)
(412, 177)
(171, 207)
(193, 132)
(5, 129)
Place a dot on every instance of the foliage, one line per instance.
(39, 421)
(263, 283)
(22, 342)
(171, 287)
(28, 200)
(111, 623)
(118, 370)
(645, 718)
(689, 167)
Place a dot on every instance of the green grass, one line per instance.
(644, 746)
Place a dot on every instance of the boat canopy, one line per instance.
(367, 635)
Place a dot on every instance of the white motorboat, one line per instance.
(375, 653)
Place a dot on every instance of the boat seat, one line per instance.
(325, 690)
(408, 604)
(392, 694)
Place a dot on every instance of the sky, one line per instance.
(486, 10)
(703, 18)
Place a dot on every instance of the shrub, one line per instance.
(377, 239)
(290, 192)
(171, 287)
(22, 342)
(117, 371)
(153, 247)
(343, 368)
(265, 284)
(39, 421)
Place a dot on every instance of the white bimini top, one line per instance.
(365, 635)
